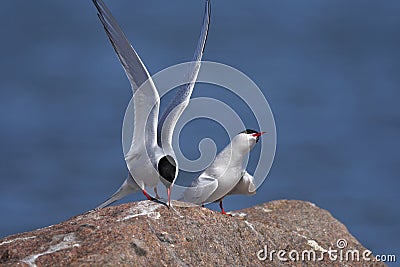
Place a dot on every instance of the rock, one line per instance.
(148, 234)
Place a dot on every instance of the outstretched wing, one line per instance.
(181, 99)
(245, 186)
(146, 99)
(201, 189)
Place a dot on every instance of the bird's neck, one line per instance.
(232, 155)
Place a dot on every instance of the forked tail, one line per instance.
(128, 187)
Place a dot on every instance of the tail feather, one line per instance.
(128, 187)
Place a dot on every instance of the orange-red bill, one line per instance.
(258, 134)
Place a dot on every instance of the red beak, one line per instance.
(169, 196)
(258, 134)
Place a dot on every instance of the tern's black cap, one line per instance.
(249, 131)
(167, 168)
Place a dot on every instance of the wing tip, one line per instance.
(206, 23)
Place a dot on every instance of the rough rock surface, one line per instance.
(148, 234)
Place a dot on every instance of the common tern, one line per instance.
(226, 174)
(150, 158)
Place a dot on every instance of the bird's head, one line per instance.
(248, 138)
(167, 170)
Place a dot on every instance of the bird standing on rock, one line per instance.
(151, 157)
(226, 175)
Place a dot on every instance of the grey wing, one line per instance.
(181, 99)
(245, 186)
(146, 98)
(201, 189)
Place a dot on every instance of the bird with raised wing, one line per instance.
(150, 158)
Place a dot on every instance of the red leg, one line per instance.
(222, 209)
(147, 195)
(155, 192)
(153, 199)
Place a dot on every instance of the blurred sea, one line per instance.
(329, 69)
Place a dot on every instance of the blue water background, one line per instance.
(329, 69)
